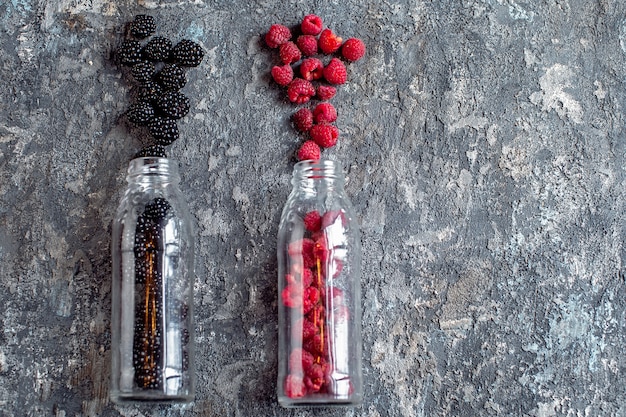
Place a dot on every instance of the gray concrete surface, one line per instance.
(484, 147)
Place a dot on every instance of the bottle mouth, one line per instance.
(149, 165)
(317, 168)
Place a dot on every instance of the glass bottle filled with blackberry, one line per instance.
(152, 292)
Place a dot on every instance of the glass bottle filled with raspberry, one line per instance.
(319, 314)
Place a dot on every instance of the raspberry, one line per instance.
(300, 360)
(303, 248)
(294, 386)
(307, 277)
(335, 72)
(324, 135)
(142, 26)
(300, 91)
(188, 53)
(283, 74)
(311, 69)
(314, 378)
(303, 329)
(307, 44)
(328, 42)
(324, 113)
(303, 119)
(311, 25)
(277, 35)
(353, 49)
(292, 296)
(310, 298)
(320, 251)
(313, 221)
(289, 53)
(325, 92)
(309, 150)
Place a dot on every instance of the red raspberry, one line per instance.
(307, 44)
(277, 35)
(315, 345)
(300, 360)
(320, 251)
(314, 378)
(302, 248)
(303, 329)
(313, 221)
(328, 42)
(324, 135)
(303, 119)
(292, 296)
(289, 53)
(324, 113)
(335, 72)
(310, 299)
(311, 69)
(283, 74)
(353, 49)
(294, 386)
(307, 278)
(309, 150)
(311, 25)
(325, 92)
(300, 91)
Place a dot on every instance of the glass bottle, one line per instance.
(152, 288)
(319, 306)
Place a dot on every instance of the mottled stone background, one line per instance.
(484, 148)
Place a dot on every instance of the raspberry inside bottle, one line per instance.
(319, 265)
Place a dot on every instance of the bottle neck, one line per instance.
(150, 170)
(313, 175)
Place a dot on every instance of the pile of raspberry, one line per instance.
(311, 65)
(159, 71)
(316, 306)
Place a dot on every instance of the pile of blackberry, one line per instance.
(159, 71)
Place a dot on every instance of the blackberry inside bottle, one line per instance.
(151, 326)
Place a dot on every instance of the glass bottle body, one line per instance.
(152, 288)
(319, 307)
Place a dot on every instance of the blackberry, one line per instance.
(157, 49)
(158, 210)
(164, 130)
(142, 26)
(149, 92)
(188, 53)
(172, 77)
(140, 113)
(173, 104)
(129, 52)
(155, 151)
(143, 71)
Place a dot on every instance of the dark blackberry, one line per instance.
(172, 77)
(143, 71)
(158, 210)
(154, 151)
(188, 53)
(164, 130)
(129, 52)
(149, 92)
(142, 26)
(158, 49)
(140, 113)
(173, 104)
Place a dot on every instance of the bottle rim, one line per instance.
(153, 166)
(318, 169)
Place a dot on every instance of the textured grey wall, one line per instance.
(484, 146)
